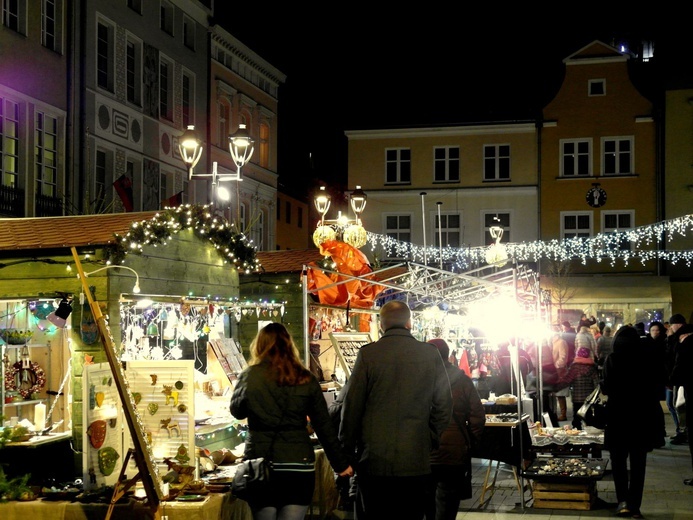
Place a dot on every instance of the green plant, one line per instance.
(12, 434)
(16, 488)
(15, 336)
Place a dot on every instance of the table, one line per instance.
(588, 442)
(48, 457)
(215, 506)
(500, 443)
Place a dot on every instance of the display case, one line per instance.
(33, 363)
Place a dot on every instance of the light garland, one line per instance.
(232, 246)
(600, 247)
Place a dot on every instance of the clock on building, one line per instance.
(596, 197)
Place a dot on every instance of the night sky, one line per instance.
(356, 72)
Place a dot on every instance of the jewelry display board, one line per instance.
(347, 345)
(228, 352)
(164, 393)
(102, 453)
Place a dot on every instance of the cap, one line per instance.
(677, 318)
(442, 347)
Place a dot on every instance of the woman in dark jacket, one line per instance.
(632, 428)
(276, 393)
(451, 463)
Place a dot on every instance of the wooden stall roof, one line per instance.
(72, 231)
(287, 261)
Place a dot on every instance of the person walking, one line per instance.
(582, 378)
(560, 361)
(604, 346)
(277, 394)
(675, 323)
(398, 405)
(683, 375)
(656, 344)
(632, 401)
(451, 463)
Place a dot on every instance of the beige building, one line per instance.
(446, 185)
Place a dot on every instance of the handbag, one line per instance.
(680, 398)
(593, 410)
(252, 478)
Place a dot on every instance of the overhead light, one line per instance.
(136, 287)
(59, 316)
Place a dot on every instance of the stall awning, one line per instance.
(612, 289)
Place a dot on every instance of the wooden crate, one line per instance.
(549, 495)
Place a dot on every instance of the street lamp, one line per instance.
(241, 147)
(350, 231)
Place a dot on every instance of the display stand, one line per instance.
(347, 345)
(148, 472)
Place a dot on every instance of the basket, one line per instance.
(15, 336)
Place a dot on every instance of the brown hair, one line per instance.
(275, 345)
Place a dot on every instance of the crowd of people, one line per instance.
(406, 422)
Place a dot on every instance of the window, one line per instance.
(447, 230)
(576, 157)
(188, 98)
(189, 32)
(135, 5)
(104, 56)
(279, 209)
(133, 70)
(51, 18)
(224, 119)
(166, 17)
(166, 89)
(617, 155)
(46, 154)
(398, 166)
(14, 15)
(576, 224)
(9, 143)
(242, 212)
(300, 217)
(133, 171)
(497, 162)
(613, 221)
(287, 207)
(496, 218)
(398, 227)
(100, 181)
(596, 87)
(264, 144)
(258, 227)
(163, 187)
(446, 164)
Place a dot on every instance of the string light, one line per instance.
(231, 245)
(643, 242)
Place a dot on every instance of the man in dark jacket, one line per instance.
(675, 323)
(683, 375)
(397, 406)
(451, 464)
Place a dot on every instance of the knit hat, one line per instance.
(677, 318)
(583, 355)
(442, 347)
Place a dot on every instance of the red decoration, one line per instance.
(35, 375)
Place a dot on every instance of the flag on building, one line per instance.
(172, 201)
(123, 186)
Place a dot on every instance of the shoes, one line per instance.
(636, 514)
(680, 440)
(622, 509)
(688, 481)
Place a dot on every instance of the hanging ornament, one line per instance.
(137, 397)
(97, 433)
(355, 236)
(154, 378)
(182, 454)
(88, 327)
(100, 396)
(182, 408)
(108, 457)
(152, 408)
(88, 360)
(179, 385)
(92, 397)
(323, 234)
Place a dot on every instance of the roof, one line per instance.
(72, 231)
(287, 261)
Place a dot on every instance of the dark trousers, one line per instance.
(448, 486)
(403, 498)
(629, 487)
(577, 420)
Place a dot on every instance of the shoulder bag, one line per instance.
(252, 477)
(593, 410)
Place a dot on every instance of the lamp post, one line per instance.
(241, 148)
(350, 231)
